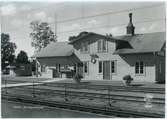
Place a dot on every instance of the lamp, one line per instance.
(93, 57)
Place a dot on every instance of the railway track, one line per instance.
(113, 111)
(100, 87)
(90, 95)
(114, 88)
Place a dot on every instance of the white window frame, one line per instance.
(101, 67)
(58, 66)
(83, 44)
(87, 63)
(75, 68)
(115, 67)
(101, 50)
(144, 70)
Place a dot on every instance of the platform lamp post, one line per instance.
(6, 62)
(65, 92)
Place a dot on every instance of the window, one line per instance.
(160, 67)
(58, 67)
(22, 67)
(99, 46)
(139, 67)
(113, 67)
(102, 45)
(43, 68)
(85, 67)
(75, 68)
(84, 47)
(100, 67)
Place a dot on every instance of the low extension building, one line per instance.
(106, 57)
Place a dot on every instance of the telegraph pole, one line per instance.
(55, 15)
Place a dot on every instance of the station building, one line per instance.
(106, 57)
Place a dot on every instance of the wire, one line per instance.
(103, 26)
(107, 13)
(137, 22)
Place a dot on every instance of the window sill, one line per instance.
(102, 51)
(140, 75)
(114, 74)
(85, 74)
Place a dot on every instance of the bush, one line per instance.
(23, 70)
(128, 79)
(160, 81)
(77, 77)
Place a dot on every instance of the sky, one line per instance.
(71, 18)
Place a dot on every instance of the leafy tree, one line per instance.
(7, 50)
(22, 58)
(41, 34)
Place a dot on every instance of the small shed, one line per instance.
(11, 70)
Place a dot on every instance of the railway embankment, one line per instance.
(115, 100)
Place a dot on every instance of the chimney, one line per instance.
(130, 27)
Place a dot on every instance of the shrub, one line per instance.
(160, 81)
(128, 79)
(77, 77)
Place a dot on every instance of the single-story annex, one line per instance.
(106, 57)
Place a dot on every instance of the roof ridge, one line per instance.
(140, 34)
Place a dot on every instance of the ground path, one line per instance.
(28, 84)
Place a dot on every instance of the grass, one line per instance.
(139, 107)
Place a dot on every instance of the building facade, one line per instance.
(99, 57)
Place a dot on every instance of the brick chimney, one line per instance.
(130, 28)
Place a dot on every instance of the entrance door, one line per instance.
(106, 70)
(54, 73)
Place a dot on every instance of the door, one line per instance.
(80, 68)
(106, 70)
(54, 73)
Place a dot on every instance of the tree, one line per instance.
(22, 58)
(7, 50)
(41, 34)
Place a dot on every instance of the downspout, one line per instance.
(36, 68)
(154, 53)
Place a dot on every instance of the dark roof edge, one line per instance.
(141, 33)
(53, 56)
(86, 35)
(134, 53)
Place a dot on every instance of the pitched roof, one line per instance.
(84, 34)
(56, 49)
(142, 43)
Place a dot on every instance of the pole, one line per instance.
(5, 86)
(109, 96)
(65, 93)
(33, 90)
(55, 26)
(36, 68)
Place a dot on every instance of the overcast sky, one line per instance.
(74, 17)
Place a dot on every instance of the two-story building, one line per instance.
(99, 57)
